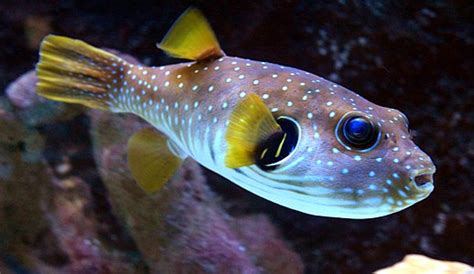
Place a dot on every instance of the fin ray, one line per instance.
(250, 123)
(150, 160)
(191, 37)
(73, 71)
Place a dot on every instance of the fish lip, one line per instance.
(426, 187)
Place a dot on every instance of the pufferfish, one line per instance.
(284, 134)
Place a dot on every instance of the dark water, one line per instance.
(416, 56)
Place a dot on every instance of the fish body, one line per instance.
(274, 130)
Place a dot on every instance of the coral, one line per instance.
(77, 230)
(46, 224)
(419, 264)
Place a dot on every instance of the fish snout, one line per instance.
(421, 169)
(422, 179)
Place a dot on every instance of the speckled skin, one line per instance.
(191, 104)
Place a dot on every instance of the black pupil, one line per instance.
(278, 146)
(359, 132)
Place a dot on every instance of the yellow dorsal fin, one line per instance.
(150, 160)
(191, 37)
(250, 123)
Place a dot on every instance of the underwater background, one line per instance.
(68, 204)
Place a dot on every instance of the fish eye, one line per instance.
(357, 132)
(273, 151)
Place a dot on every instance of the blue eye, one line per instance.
(358, 132)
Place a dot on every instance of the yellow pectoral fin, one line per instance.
(150, 160)
(250, 123)
(191, 37)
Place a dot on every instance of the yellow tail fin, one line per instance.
(75, 72)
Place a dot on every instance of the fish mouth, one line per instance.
(422, 180)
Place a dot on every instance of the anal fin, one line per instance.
(150, 159)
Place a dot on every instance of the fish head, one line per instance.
(353, 159)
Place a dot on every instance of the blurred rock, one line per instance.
(21, 92)
(261, 239)
(419, 264)
(46, 223)
(24, 181)
(182, 228)
(76, 230)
